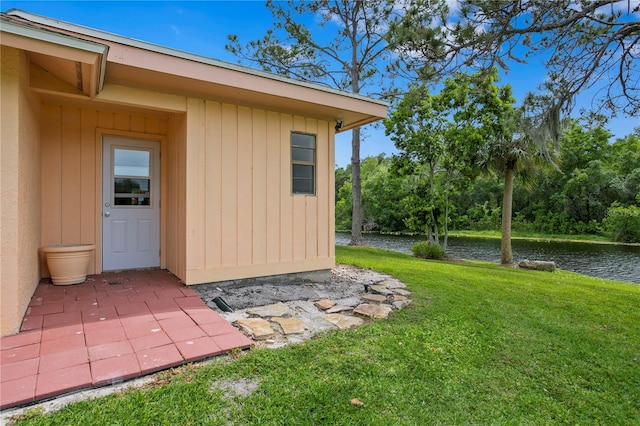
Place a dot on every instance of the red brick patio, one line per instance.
(113, 327)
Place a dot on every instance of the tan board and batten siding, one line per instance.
(229, 214)
(242, 220)
(71, 170)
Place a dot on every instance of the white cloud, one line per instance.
(631, 7)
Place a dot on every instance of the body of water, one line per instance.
(616, 262)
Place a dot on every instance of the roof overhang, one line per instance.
(141, 65)
(59, 62)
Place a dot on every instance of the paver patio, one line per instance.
(113, 327)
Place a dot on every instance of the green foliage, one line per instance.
(623, 223)
(385, 195)
(428, 250)
(344, 205)
(571, 200)
(382, 195)
(451, 137)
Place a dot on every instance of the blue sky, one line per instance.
(201, 27)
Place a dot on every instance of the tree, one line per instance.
(383, 195)
(488, 109)
(625, 153)
(469, 125)
(583, 44)
(416, 128)
(580, 146)
(586, 43)
(351, 60)
(623, 223)
(589, 192)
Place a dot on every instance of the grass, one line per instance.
(480, 344)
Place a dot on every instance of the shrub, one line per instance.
(623, 223)
(427, 250)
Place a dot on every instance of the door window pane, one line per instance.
(129, 162)
(131, 192)
(131, 177)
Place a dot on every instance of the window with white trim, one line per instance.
(303, 163)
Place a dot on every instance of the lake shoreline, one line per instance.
(472, 234)
(611, 261)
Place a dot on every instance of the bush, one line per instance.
(623, 223)
(427, 250)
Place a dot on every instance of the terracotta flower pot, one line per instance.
(68, 264)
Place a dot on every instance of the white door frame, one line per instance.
(131, 212)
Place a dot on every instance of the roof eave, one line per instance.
(79, 29)
(37, 40)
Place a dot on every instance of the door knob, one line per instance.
(107, 214)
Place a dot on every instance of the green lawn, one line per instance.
(481, 344)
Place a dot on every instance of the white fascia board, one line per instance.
(52, 37)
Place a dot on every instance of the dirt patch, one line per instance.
(346, 282)
(240, 387)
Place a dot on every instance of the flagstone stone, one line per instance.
(325, 304)
(302, 306)
(400, 304)
(306, 318)
(401, 292)
(338, 308)
(373, 311)
(349, 301)
(276, 310)
(258, 328)
(374, 298)
(379, 289)
(343, 322)
(393, 283)
(290, 325)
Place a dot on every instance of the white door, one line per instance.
(130, 204)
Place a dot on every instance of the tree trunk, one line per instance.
(506, 254)
(446, 214)
(434, 222)
(356, 181)
(356, 190)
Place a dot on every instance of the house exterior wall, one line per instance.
(227, 208)
(241, 219)
(72, 170)
(19, 185)
(173, 211)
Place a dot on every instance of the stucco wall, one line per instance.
(19, 183)
(242, 220)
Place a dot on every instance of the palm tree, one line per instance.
(516, 140)
(515, 151)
